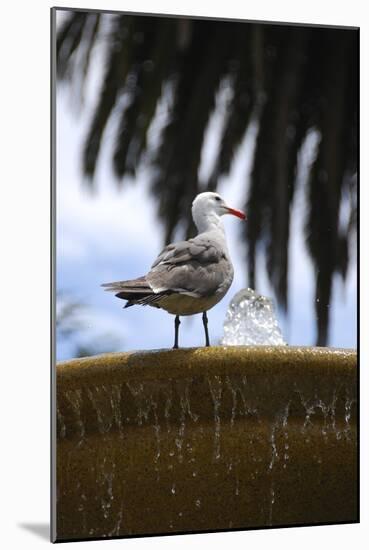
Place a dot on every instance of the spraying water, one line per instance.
(251, 320)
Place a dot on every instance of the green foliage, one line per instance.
(290, 79)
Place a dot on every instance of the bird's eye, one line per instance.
(218, 199)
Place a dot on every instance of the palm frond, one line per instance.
(292, 79)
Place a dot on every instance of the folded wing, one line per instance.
(196, 267)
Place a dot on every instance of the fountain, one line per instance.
(205, 439)
(229, 437)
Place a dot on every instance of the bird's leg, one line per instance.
(177, 322)
(205, 323)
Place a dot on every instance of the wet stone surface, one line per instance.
(200, 439)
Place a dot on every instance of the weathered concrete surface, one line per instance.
(205, 439)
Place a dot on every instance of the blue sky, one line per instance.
(113, 234)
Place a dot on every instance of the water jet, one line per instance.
(205, 439)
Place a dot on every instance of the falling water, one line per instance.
(279, 423)
(99, 397)
(183, 388)
(207, 441)
(115, 402)
(215, 385)
(61, 422)
(75, 399)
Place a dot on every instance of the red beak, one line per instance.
(237, 213)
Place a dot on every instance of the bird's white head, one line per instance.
(207, 209)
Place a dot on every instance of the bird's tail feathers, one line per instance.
(134, 285)
(143, 300)
(135, 291)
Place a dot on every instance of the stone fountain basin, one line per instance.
(205, 439)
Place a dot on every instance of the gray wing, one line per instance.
(197, 267)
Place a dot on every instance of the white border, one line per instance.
(24, 219)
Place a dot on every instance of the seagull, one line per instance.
(188, 277)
